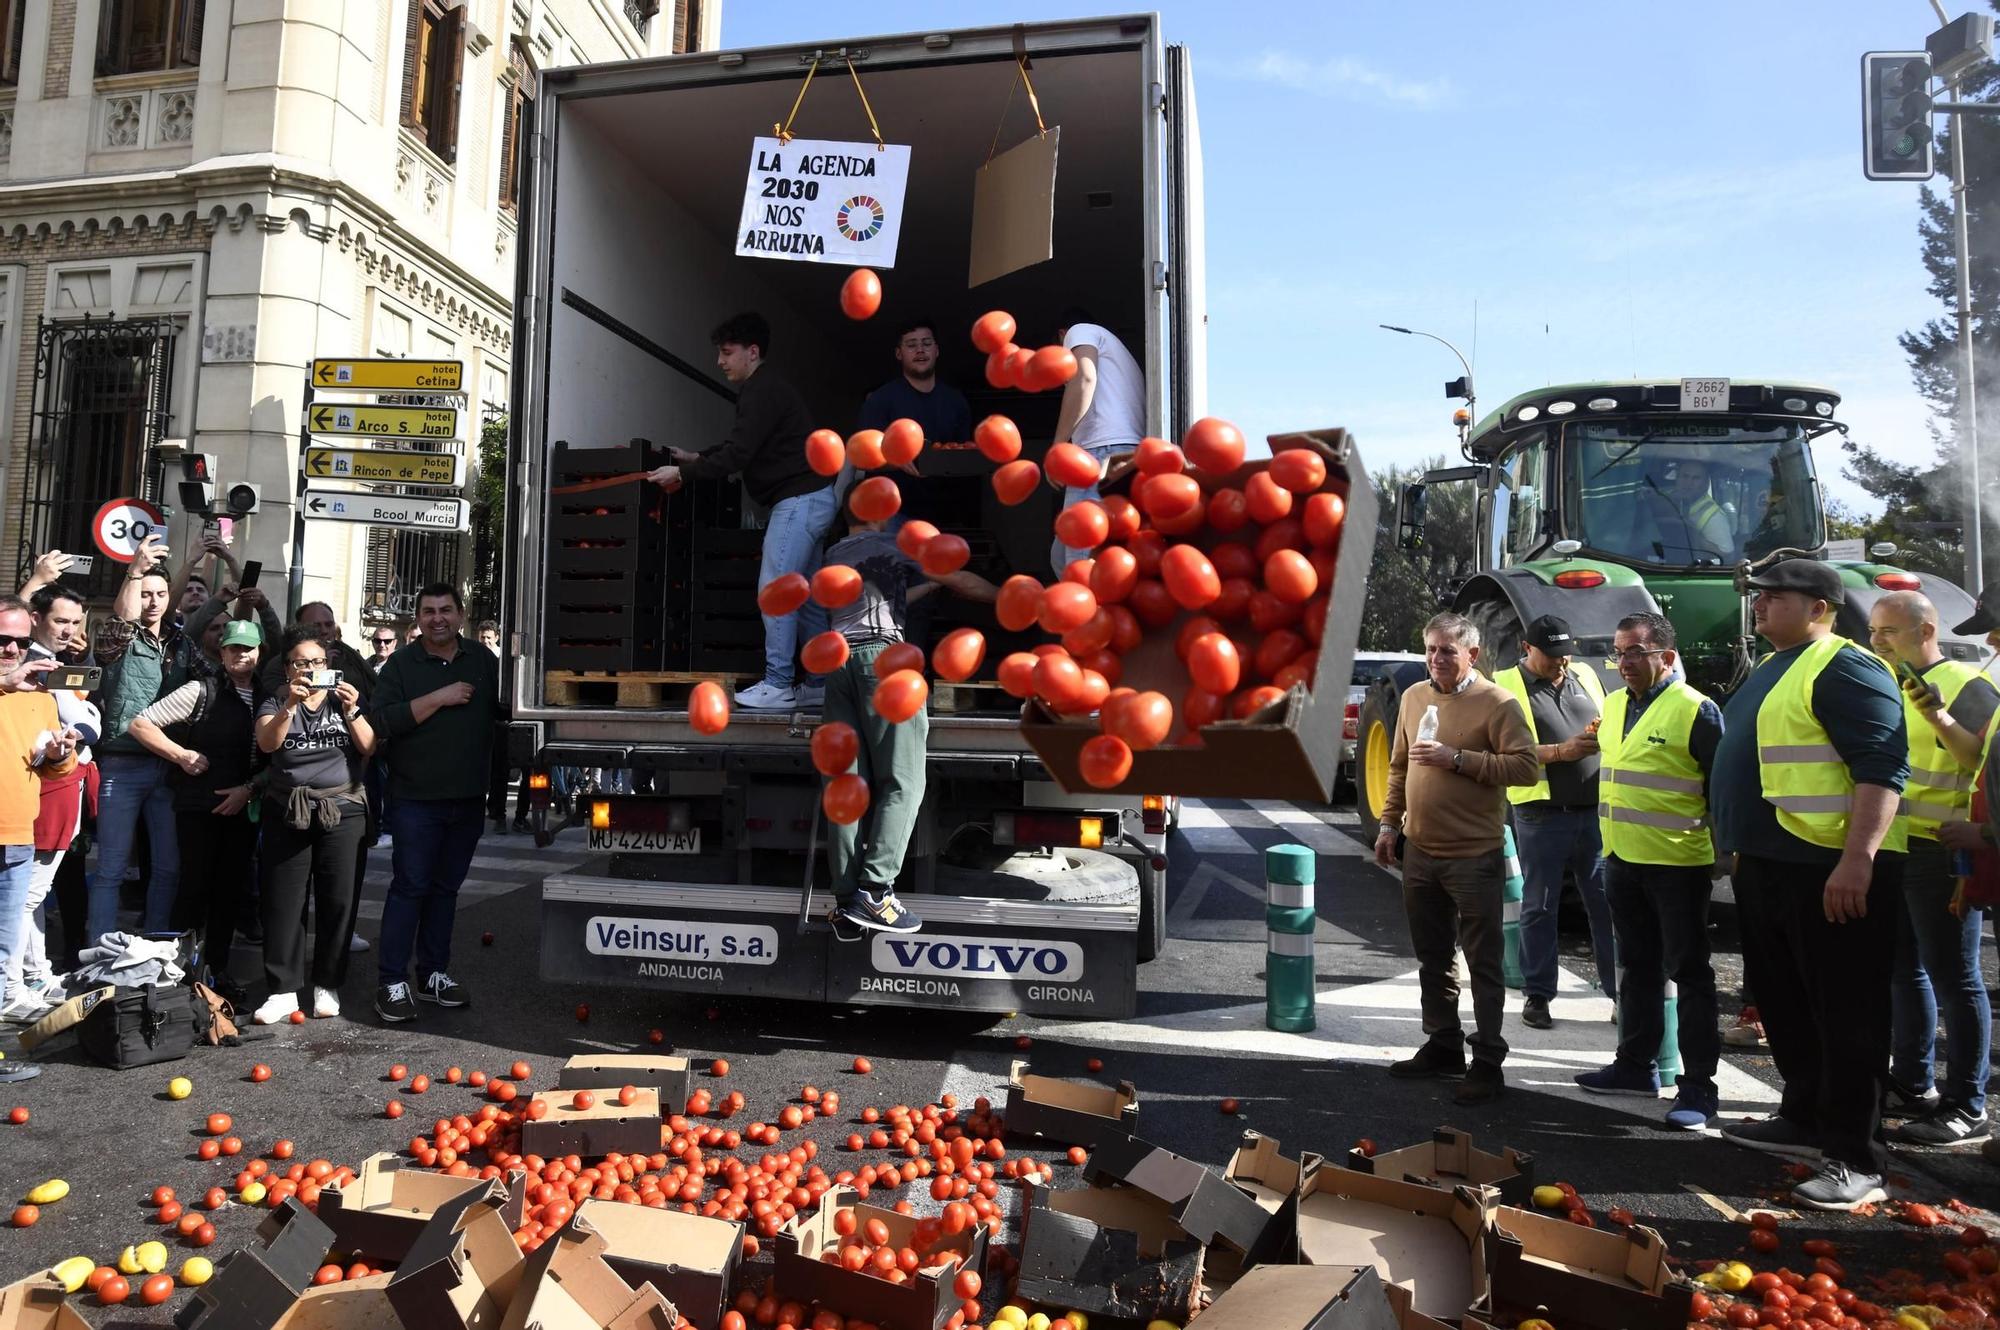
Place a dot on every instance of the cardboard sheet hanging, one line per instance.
(820, 201)
(1014, 209)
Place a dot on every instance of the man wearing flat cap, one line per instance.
(1805, 793)
(1555, 819)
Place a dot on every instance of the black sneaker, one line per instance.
(1777, 1136)
(1430, 1062)
(1947, 1125)
(1483, 1084)
(844, 929)
(884, 915)
(441, 989)
(1535, 1014)
(1838, 1187)
(500, 826)
(392, 1003)
(1900, 1103)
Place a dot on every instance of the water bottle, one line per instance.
(1427, 728)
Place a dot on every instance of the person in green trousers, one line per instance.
(866, 855)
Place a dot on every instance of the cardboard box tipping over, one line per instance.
(1066, 1111)
(464, 1267)
(690, 1259)
(1107, 1252)
(1303, 1297)
(379, 1215)
(566, 1285)
(925, 1302)
(1231, 1225)
(1448, 1159)
(254, 1287)
(1586, 1279)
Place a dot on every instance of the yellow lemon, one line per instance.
(251, 1194)
(128, 1262)
(1011, 1315)
(152, 1257)
(180, 1087)
(52, 1190)
(73, 1272)
(1077, 1320)
(196, 1270)
(1039, 1321)
(1550, 1198)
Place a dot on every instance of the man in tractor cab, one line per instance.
(1804, 793)
(1947, 706)
(1707, 521)
(1555, 819)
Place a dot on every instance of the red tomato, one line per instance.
(1287, 533)
(825, 453)
(1313, 621)
(1016, 673)
(1019, 603)
(1113, 574)
(1095, 689)
(1213, 664)
(1252, 700)
(26, 1215)
(901, 696)
(260, 1073)
(1267, 500)
(1083, 525)
(583, 1099)
(1125, 630)
(1152, 604)
(1290, 576)
(1233, 558)
(1214, 446)
(901, 442)
(1165, 497)
(998, 438)
(1157, 457)
(1299, 470)
(1070, 465)
(1763, 1240)
(1059, 682)
(112, 1291)
(1050, 367)
(1194, 627)
(156, 1290)
(1299, 672)
(968, 1284)
(1277, 650)
(835, 744)
(1228, 511)
(875, 499)
(1186, 524)
(845, 799)
(1065, 606)
(958, 656)
(1000, 371)
(708, 708)
(220, 1123)
(1190, 577)
(901, 656)
(864, 450)
(914, 535)
(781, 597)
(1323, 515)
(1014, 482)
(1143, 720)
(1092, 635)
(1104, 761)
(836, 585)
(1018, 361)
(1232, 601)
(861, 294)
(1268, 612)
(1078, 571)
(824, 653)
(1124, 515)
(944, 555)
(991, 331)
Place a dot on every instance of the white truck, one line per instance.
(633, 177)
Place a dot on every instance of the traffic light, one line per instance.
(197, 485)
(1896, 116)
(243, 498)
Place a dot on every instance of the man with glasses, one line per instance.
(38, 747)
(384, 642)
(1947, 706)
(1655, 750)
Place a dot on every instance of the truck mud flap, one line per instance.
(683, 937)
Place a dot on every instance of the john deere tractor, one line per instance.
(1598, 500)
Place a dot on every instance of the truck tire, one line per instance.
(1152, 912)
(1375, 740)
(1068, 876)
(1499, 634)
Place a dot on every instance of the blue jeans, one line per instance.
(1937, 968)
(1548, 841)
(794, 539)
(434, 841)
(1062, 556)
(17, 874)
(130, 788)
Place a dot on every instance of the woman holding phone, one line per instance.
(314, 813)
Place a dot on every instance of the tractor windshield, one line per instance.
(1691, 493)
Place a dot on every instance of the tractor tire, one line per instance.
(1374, 743)
(1500, 632)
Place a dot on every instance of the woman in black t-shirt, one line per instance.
(314, 813)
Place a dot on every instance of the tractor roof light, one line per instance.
(1795, 404)
(1899, 581)
(1602, 404)
(1528, 413)
(1577, 579)
(1562, 408)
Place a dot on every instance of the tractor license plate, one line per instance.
(1704, 394)
(612, 841)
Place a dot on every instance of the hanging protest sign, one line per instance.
(817, 201)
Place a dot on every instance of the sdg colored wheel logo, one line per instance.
(860, 218)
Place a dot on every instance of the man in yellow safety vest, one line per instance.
(1555, 819)
(1947, 706)
(1655, 749)
(1804, 793)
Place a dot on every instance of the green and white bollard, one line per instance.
(1668, 1060)
(1290, 920)
(1511, 886)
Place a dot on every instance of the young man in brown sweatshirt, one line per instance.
(1447, 798)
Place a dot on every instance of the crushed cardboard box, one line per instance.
(1232, 1226)
(1303, 1297)
(1261, 1171)
(464, 1267)
(606, 1127)
(690, 1259)
(1113, 1252)
(1065, 1111)
(352, 1304)
(671, 1078)
(924, 1302)
(1581, 1278)
(1448, 1159)
(566, 1285)
(38, 1303)
(254, 1287)
(1403, 1313)
(380, 1213)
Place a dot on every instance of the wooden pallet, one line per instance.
(973, 695)
(639, 690)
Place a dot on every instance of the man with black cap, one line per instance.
(1805, 793)
(1555, 819)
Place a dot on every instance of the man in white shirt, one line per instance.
(1103, 406)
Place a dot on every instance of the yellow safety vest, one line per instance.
(1940, 790)
(1515, 681)
(1651, 808)
(1800, 771)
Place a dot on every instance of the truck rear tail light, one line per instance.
(1153, 815)
(1577, 579)
(639, 813)
(1899, 581)
(1025, 828)
(538, 789)
(1350, 725)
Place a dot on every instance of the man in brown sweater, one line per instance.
(1446, 797)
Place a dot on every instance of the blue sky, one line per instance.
(1620, 188)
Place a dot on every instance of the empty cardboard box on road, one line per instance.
(566, 1285)
(1107, 1251)
(463, 1269)
(606, 1127)
(1580, 1278)
(38, 1303)
(378, 1215)
(1266, 1176)
(1429, 1240)
(352, 1304)
(925, 1302)
(1303, 1297)
(1448, 1159)
(1233, 1227)
(255, 1286)
(1290, 749)
(670, 1078)
(1068, 1112)
(690, 1259)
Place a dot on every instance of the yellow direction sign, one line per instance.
(401, 375)
(391, 422)
(385, 468)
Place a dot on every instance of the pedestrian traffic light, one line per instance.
(243, 498)
(197, 485)
(1896, 116)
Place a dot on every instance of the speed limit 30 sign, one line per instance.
(122, 525)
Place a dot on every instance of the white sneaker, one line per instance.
(325, 1002)
(765, 697)
(812, 697)
(276, 1008)
(356, 943)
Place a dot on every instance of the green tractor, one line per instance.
(1599, 500)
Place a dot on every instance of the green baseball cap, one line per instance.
(242, 633)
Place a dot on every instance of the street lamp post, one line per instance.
(1471, 398)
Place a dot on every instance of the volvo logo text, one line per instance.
(977, 957)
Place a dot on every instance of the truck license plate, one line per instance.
(605, 840)
(1704, 394)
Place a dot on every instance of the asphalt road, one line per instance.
(1198, 1036)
